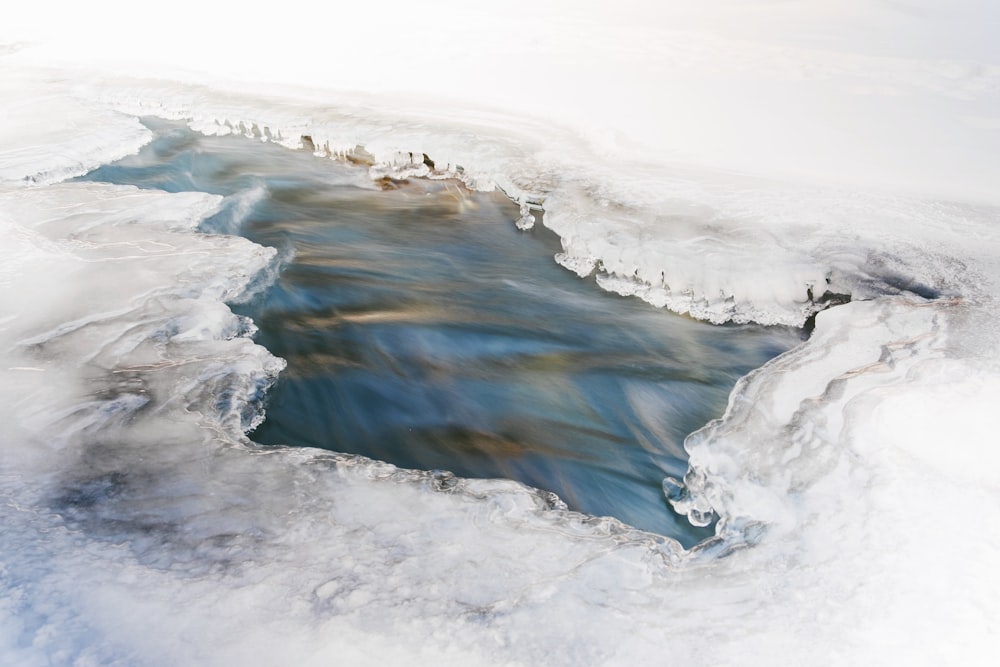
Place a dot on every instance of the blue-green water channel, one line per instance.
(421, 328)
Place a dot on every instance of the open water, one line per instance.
(421, 328)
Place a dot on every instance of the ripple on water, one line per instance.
(421, 328)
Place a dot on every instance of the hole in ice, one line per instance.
(421, 328)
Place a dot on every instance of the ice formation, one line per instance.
(734, 161)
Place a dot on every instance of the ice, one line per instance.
(721, 246)
(129, 488)
(845, 93)
(731, 160)
(48, 147)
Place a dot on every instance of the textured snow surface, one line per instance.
(729, 160)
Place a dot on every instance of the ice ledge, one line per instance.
(719, 310)
(787, 432)
(716, 246)
(72, 137)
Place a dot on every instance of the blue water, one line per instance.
(421, 328)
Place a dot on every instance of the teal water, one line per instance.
(421, 328)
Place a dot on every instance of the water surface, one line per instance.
(421, 328)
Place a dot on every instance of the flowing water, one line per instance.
(421, 328)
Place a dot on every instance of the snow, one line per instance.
(730, 160)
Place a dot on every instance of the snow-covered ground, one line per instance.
(731, 160)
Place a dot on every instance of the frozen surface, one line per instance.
(37, 148)
(731, 160)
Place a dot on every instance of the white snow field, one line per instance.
(744, 161)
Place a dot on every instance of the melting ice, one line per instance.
(853, 477)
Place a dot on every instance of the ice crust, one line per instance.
(37, 150)
(719, 246)
(854, 477)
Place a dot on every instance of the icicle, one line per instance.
(527, 220)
